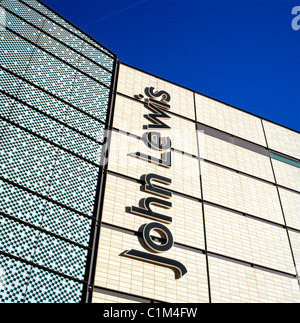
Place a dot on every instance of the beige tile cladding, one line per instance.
(291, 207)
(241, 193)
(235, 157)
(187, 226)
(184, 171)
(282, 139)
(243, 238)
(295, 241)
(99, 298)
(287, 175)
(235, 283)
(229, 119)
(133, 82)
(147, 280)
(129, 117)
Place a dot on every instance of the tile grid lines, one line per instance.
(204, 202)
(214, 99)
(213, 128)
(108, 291)
(281, 206)
(258, 178)
(207, 160)
(87, 114)
(213, 163)
(202, 205)
(207, 253)
(211, 253)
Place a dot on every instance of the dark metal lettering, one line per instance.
(148, 187)
(165, 160)
(149, 91)
(156, 116)
(154, 140)
(161, 229)
(148, 213)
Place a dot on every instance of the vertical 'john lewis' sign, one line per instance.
(158, 105)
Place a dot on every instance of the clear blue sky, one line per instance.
(244, 53)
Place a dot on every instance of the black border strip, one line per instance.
(281, 205)
(99, 201)
(202, 205)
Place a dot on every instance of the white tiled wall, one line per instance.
(282, 139)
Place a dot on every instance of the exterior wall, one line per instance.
(233, 121)
(54, 93)
(234, 205)
(282, 139)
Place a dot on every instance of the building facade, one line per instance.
(119, 186)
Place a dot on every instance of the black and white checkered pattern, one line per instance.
(55, 100)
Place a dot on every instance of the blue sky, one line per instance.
(244, 53)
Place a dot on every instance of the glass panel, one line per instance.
(21, 204)
(46, 287)
(16, 239)
(60, 256)
(37, 211)
(51, 129)
(51, 74)
(90, 97)
(26, 160)
(74, 183)
(17, 53)
(21, 27)
(24, 11)
(285, 160)
(12, 280)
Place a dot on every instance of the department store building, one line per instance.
(118, 186)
